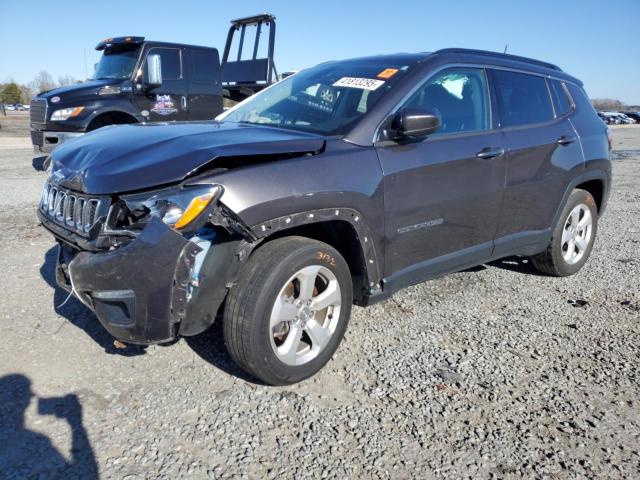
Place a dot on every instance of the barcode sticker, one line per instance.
(362, 83)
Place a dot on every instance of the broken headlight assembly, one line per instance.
(181, 208)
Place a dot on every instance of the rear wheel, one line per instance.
(573, 237)
(289, 310)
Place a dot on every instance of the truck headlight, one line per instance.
(66, 113)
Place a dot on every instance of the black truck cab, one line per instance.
(140, 81)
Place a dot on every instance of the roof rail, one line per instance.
(506, 56)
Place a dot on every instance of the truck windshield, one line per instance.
(117, 63)
(327, 99)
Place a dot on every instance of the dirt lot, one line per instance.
(495, 372)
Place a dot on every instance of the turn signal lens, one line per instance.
(195, 208)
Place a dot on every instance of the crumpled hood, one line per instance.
(125, 158)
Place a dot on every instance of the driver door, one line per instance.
(168, 102)
(443, 194)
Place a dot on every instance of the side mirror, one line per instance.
(154, 70)
(412, 123)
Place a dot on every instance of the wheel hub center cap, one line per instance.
(303, 316)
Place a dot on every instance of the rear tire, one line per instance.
(289, 310)
(572, 239)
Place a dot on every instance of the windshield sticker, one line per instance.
(387, 73)
(362, 83)
(164, 105)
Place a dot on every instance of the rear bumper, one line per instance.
(137, 291)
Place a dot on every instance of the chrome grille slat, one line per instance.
(69, 210)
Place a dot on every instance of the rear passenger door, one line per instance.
(543, 154)
(205, 88)
(443, 194)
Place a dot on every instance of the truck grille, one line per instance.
(69, 210)
(38, 110)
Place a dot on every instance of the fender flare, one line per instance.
(264, 229)
(584, 177)
(96, 113)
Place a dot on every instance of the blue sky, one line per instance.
(595, 40)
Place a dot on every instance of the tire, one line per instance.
(557, 260)
(275, 284)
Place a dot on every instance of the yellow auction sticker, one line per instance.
(387, 73)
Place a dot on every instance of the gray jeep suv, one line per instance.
(336, 186)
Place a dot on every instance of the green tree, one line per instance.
(11, 93)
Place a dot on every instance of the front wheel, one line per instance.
(286, 315)
(573, 237)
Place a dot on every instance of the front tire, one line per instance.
(573, 237)
(288, 312)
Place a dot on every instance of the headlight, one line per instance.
(65, 113)
(177, 207)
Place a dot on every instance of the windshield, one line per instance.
(328, 99)
(117, 63)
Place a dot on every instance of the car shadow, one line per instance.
(209, 345)
(26, 453)
(516, 264)
(78, 314)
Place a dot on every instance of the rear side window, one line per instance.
(459, 96)
(204, 64)
(524, 98)
(561, 102)
(170, 59)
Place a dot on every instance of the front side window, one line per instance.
(170, 60)
(328, 99)
(459, 96)
(524, 98)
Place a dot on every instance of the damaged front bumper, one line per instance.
(139, 291)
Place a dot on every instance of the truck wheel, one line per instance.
(573, 237)
(289, 310)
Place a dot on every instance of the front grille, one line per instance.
(69, 210)
(37, 138)
(38, 110)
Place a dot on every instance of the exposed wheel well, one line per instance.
(596, 189)
(111, 118)
(343, 237)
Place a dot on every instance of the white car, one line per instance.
(9, 108)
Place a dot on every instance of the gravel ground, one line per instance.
(495, 372)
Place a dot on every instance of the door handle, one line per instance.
(488, 152)
(565, 140)
(184, 102)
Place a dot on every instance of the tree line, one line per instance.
(12, 92)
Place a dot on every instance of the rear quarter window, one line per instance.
(580, 98)
(524, 99)
(204, 65)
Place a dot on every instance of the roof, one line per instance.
(470, 55)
